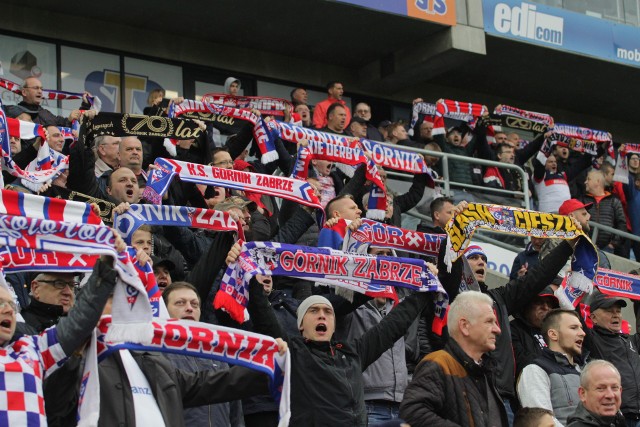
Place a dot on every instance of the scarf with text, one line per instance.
(574, 144)
(609, 282)
(358, 272)
(621, 173)
(194, 339)
(116, 124)
(182, 216)
(447, 107)
(379, 235)
(343, 155)
(266, 105)
(523, 222)
(53, 95)
(582, 133)
(278, 186)
(130, 302)
(261, 134)
(7, 161)
(505, 116)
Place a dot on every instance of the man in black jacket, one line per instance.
(32, 97)
(455, 386)
(52, 296)
(326, 376)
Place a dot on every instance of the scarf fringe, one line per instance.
(581, 282)
(130, 332)
(376, 214)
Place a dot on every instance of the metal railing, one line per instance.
(447, 184)
(597, 227)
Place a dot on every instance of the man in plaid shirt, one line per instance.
(26, 361)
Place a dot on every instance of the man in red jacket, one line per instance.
(334, 91)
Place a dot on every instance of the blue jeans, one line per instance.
(510, 415)
(379, 411)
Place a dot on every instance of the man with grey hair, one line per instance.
(107, 149)
(52, 296)
(455, 386)
(600, 397)
(131, 156)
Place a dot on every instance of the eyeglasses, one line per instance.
(61, 284)
(223, 162)
(4, 303)
(33, 87)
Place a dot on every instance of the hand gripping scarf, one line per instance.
(9, 165)
(621, 173)
(428, 110)
(286, 188)
(523, 222)
(194, 339)
(182, 216)
(53, 95)
(344, 155)
(361, 273)
(448, 107)
(130, 303)
(266, 105)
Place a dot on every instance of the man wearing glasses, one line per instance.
(32, 97)
(52, 296)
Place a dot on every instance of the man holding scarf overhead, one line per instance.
(326, 380)
(509, 299)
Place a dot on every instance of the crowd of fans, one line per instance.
(354, 362)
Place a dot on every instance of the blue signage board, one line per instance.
(562, 29)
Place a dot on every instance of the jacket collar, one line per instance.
(43, 309)
(467, 362)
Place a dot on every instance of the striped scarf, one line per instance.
(358, 272)
(181, 216)
(609, 282)
(193, 339)
(447, 107)
(53, 95)
(46, 159)
(344, 155)
(266, 105)
(278, 186)
(7, 161)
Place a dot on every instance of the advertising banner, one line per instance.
(562, 29)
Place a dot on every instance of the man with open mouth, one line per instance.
(552, 380)
(326, 374)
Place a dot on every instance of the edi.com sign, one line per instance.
(562, 29)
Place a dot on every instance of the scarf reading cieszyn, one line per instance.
(358, 272)
(278, 186)
(523, 222)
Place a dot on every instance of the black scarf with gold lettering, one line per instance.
(116, 124)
